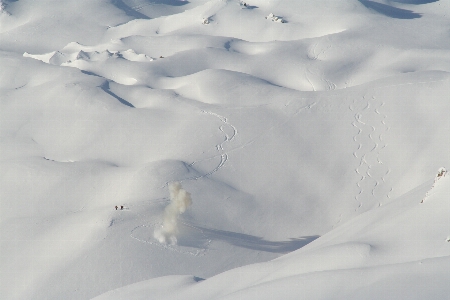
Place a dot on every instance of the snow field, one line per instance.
(303, 135)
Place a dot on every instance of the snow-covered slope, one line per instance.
(284, 133)
(398, 251)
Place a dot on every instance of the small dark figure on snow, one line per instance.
(121, 207)
(116, 207)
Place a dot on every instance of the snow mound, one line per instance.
(378, 247)
(274, 18)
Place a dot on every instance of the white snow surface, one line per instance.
(306, 135)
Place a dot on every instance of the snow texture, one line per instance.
(306, 133)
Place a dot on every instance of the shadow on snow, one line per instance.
(128, 10)
(391, 11)
(199, 237)
(417, 2)
(170, 2)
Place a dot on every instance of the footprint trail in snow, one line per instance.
(371, 186)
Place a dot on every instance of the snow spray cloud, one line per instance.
(180, 200)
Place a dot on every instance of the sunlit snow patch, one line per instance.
(42, 57)
(59, 58)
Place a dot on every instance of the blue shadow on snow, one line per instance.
(199, 240)
(416, 2)
(170, 2)
(128, 10)
(390, 11)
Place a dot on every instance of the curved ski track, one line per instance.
(175, 248)
(230, 132)
(219, 147)
(313, 56)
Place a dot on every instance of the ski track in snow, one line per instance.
(150, 227)
(230, 132)
(229, 135)
(314, 57)
(174, 248)
(371, 171)
(219, 147)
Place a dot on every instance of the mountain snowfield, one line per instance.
(260, 149)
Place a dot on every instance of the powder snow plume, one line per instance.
(180, 200)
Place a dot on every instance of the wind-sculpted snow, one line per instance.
(293, 125)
